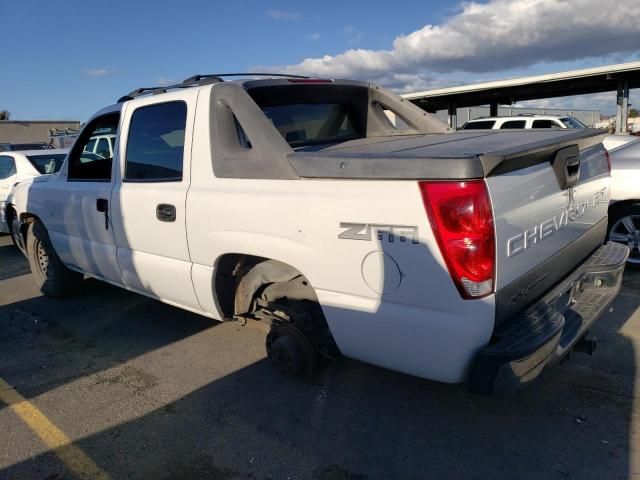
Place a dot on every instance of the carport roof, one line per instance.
(506, 92)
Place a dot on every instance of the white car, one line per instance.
(624, 211)
(296, 206)
(16, 166)
(535, 121)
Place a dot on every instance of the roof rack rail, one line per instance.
(199, 80)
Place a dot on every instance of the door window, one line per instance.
(7, 167)
(155, 146)
(87, 163)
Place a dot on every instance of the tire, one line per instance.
(53, 278)
(624, 227)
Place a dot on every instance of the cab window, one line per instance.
(155, 145)
(84, 164)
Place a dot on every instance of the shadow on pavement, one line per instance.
(12, 262)
(46, 343)
(354, 421)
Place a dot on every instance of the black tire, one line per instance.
(624, 227)
(53, 278)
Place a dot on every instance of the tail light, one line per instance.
(606, 154)
(462, 222)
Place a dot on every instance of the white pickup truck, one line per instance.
(296, 206)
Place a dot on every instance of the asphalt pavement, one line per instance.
(110, 384)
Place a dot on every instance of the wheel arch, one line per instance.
(239, 276)
(615, 206)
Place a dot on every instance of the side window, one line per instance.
(545, 124)
(7, 167)
(155, 146)
(84, 164)
(480, 125)
(513, 124)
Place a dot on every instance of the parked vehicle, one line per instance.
(294, 205)
(523, 121)
(624, 210)
(18, 166)
(101, 145)
(536, 121)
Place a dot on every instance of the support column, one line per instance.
(493, 109)
(622, 109)
(453, 116)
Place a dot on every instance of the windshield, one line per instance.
(571, 122)
(47, 163)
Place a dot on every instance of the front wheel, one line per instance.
(53, 278)
(624, 227)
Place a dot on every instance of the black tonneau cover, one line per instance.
(459, 155)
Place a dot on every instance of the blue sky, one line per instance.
(65, 60)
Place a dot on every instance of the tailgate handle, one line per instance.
(566, 166)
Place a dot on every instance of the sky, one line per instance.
(66, 60)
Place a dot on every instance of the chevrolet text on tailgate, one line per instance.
(339, 219)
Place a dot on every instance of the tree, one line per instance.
(633, 113)
(4, 115)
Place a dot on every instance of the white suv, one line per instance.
(522, 121)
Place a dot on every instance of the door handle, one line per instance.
(102, 205)
(166, 212)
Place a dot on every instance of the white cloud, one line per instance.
(97, 72)
(314, 36)
(283, 15)
(491, 37)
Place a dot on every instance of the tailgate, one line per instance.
(548, 217)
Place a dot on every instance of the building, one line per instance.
(31, 131)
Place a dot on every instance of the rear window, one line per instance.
(315, 114)
(481, 125)
(47, 163)
(513, 124)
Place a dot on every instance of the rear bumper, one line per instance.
(523, 346)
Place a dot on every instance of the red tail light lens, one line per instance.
(462, 221)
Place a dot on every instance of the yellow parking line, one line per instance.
(54, 438)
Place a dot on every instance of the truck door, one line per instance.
(77, 202)
(149, 202)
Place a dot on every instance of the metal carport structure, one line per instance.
(620, 78)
